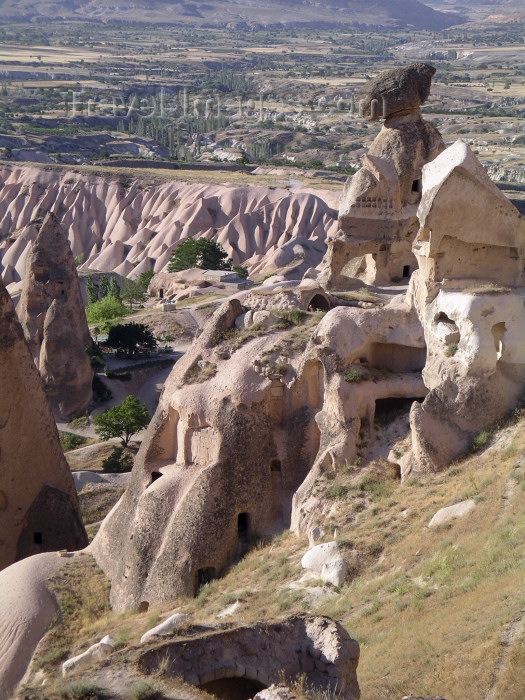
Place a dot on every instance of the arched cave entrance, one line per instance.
(319, 303)
(233, 688)
(243, 524)
(275, 465)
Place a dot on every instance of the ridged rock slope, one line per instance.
(52, 315)
(130, 228)
(38, 503)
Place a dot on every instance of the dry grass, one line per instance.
(364, 295)
(486, 288)
(200, 373)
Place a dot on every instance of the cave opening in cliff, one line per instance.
(388, 409)
(406, 271)
(319, 303)
(233, 688)
(243, 524)
(204, 576)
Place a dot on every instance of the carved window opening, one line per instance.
(144, 606)
(416, 186)
(155, 476)
(37, 538)
(406, 271)
(161, 293)
(497, 333)
(275, 465)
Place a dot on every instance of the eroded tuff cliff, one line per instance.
(134, 227)
(38, 503)
(53, 319)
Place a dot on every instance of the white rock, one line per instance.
(274, 692)
(172, 623)
(314, 535)
(334, 572)
(230, 610)
(265, 318)
(97, 652)
(458, 510)
(319, 555)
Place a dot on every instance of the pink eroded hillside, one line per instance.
(132, 227)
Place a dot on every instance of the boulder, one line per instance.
(96, 652)
(170, 625)
(394, 91)
(458, 510)
(320, 555)
(81, 478)
(334, 572)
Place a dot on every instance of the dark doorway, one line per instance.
(275, 465)
(161, 294)
(388, 409)
(406, 271)
(415, 186)
(204, 576)
(319, 303)
(233, 688)
(155, 476)
(37, 537)
(144, 606)
(243, 524)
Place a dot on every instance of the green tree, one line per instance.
(130, 337)
(91, 290)
(104, 311)
(241, 271)
(122, 421)
(145, 278)
(113, 288)
(103, 286)
(132, 293)
(199, 252)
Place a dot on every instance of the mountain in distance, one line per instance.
(387, 13)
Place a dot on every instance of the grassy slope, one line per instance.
(433, 610)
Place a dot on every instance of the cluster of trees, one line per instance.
(106, 299)
(204, 254)
(130, 338)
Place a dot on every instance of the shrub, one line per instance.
(293, 316)
(79, 691)
(123, 375)
(143, 691)
(117, 462)
(70, 441)
(480, 440)
(353, 375)
(107, 309)
(451, 350)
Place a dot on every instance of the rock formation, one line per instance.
(250, 419)
(130, 227)
(468, 293)
(38, 503)
(263, 654)
(52, 315)
(378, 209)
(198, 491)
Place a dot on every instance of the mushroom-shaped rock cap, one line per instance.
(394, 91)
